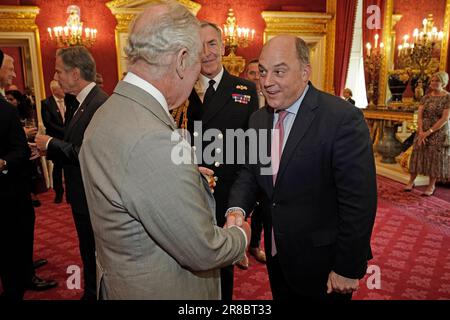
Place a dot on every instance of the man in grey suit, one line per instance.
(155, 231)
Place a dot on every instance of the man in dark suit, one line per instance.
(53, 110)
(348, 94)
(319, 193)
(17, 213)
(75, 72)
(220, 101)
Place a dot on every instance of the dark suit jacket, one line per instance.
(223, 112)
(351, 101)
(67, 150)
(14, 150)
(52, 118)
(322, 207)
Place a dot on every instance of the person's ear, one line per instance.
(306, 73)
(181, 62)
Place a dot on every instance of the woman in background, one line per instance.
(431, 149)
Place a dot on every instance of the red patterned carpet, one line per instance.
(411, 246)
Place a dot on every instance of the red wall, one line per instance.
(413, 12)
(95, 13)
(248, 14)
(15, 53)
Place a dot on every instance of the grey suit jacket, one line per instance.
(155, 231)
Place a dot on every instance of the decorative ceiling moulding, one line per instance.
(124, 11)
(317, 29)
(18, 18)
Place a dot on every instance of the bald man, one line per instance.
(319, 195)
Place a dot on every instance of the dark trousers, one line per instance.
(221, 193)
(57, 177)
(282, 289)
(87, 250)
(16, 245)
(256, 227)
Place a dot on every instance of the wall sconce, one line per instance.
(235, 36)
(73, 33)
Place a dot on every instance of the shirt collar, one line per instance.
(296, 105)
(147, 87)
(84, 93)
(204, 81)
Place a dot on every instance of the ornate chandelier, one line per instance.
(73, 33)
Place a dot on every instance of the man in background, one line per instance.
(220, 101)
(53, 110)
(75, 72)
(348, 94)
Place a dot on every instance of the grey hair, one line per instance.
(302, 51)
(163, 36)
(214, 26)
(78, 57)
(443, 77)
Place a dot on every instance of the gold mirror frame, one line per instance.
(318, 31)
(18, 28)
(124, 11)
(389, 33)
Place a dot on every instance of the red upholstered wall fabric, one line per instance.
(248, 14)
(15, 53)
(412, 16)
(93, 13)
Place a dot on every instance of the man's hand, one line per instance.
(34, 151)
(341, 284)
(41, 142)
(30, 132)
(235, 218)
(209, 175)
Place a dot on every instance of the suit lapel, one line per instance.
(220, 98)
(301, 124)
(81, 110)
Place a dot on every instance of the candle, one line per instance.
(400, 47)
(368, 46)
(416, 34)
(253, 34)
(440, 35)
(405, 39)
(424, 22)
(376, 40)
(50, 32)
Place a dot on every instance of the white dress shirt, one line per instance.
(203, 84)
(149, 88)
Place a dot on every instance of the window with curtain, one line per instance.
(355, 76)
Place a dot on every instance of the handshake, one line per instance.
(236, 218)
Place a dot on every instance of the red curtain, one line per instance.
(345, 21)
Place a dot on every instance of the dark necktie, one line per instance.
(209, 93)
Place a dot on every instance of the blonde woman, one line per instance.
(431, 150)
